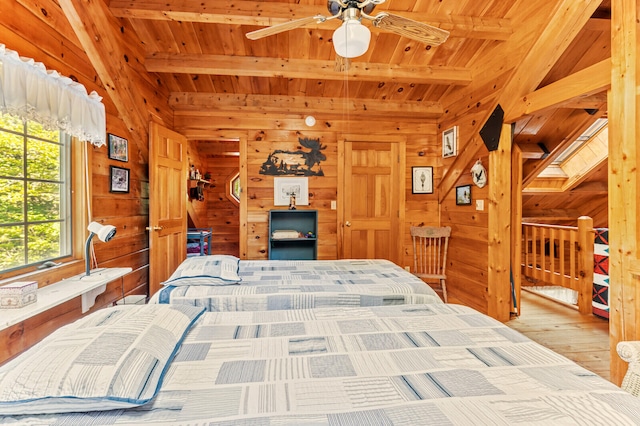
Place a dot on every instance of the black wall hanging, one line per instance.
(296, 163)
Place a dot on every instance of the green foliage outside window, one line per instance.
(34, 209)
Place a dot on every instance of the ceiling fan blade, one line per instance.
(286, 26)
(414, 30)
(342, 64)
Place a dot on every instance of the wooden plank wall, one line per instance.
(423, 149)
(55, 44)
(222, 214)
(467, 276)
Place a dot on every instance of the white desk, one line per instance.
(89, 287)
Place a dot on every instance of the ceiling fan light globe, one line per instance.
(351, 39)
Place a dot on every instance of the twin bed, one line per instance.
(339, 355)
(225, 283)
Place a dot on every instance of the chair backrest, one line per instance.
(430, 244)
(629, 351)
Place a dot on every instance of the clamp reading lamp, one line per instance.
(104, 232)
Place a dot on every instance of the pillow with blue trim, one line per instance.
(114, 358)
(217, 269)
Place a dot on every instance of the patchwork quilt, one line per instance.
(432, 364)
(297, 284)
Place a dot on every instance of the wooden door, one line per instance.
(167, 203)
(372, 196)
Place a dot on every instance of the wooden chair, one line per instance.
(629, 351)
(430, 246)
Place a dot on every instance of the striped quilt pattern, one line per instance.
(435, 364)
(282, 284)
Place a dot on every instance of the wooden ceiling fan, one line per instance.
(352, 38)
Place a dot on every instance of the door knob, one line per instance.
(154, 228)
(347, 224)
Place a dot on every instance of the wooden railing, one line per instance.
(561, 256)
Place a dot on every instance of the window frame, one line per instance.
(78, 154)
(229, 187)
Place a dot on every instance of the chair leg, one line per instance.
(443, 284)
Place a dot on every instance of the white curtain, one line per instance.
(30, 91)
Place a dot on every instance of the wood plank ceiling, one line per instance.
(200, 52)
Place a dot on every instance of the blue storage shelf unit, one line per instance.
(301, 248)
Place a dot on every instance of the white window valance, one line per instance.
(30, 91)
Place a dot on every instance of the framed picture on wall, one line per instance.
(450, 142)
(118, 148)
(422, 180)
(463, 195)
(285, 188)
(119, 178)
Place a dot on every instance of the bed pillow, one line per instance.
(218, 269)
(111, 359)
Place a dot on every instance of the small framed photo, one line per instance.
(118, 148)
(290, 190)
(463, 195)
(119, 178)
(450, 142)
(422, 180)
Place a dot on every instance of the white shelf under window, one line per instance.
(89, 287)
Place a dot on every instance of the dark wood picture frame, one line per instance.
(118, 148)
(422, 180)
(119, 179)
(463, 195)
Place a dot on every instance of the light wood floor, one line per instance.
(581, 338)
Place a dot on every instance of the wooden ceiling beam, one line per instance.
(533, 151)
(207, 124)
(550, 214)
(593, 102)
(591, 188)
(189, 101)
(260, 13)
(582, 84)
(99, 34)
(253, 66)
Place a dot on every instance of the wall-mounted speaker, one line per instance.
(490, 132)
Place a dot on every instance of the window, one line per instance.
(36, 204)
(233, 188)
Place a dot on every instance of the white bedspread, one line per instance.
(295, 284)
(434, 364)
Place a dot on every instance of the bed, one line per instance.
(436, 364)
(226, 283)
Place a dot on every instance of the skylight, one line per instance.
(598, 125)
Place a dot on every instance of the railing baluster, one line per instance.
(564, 266)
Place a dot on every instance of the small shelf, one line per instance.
(301, 248)
(200, 182)
(197, 187)
(89, 287)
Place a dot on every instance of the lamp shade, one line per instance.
(104, 232)
(351, 39)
